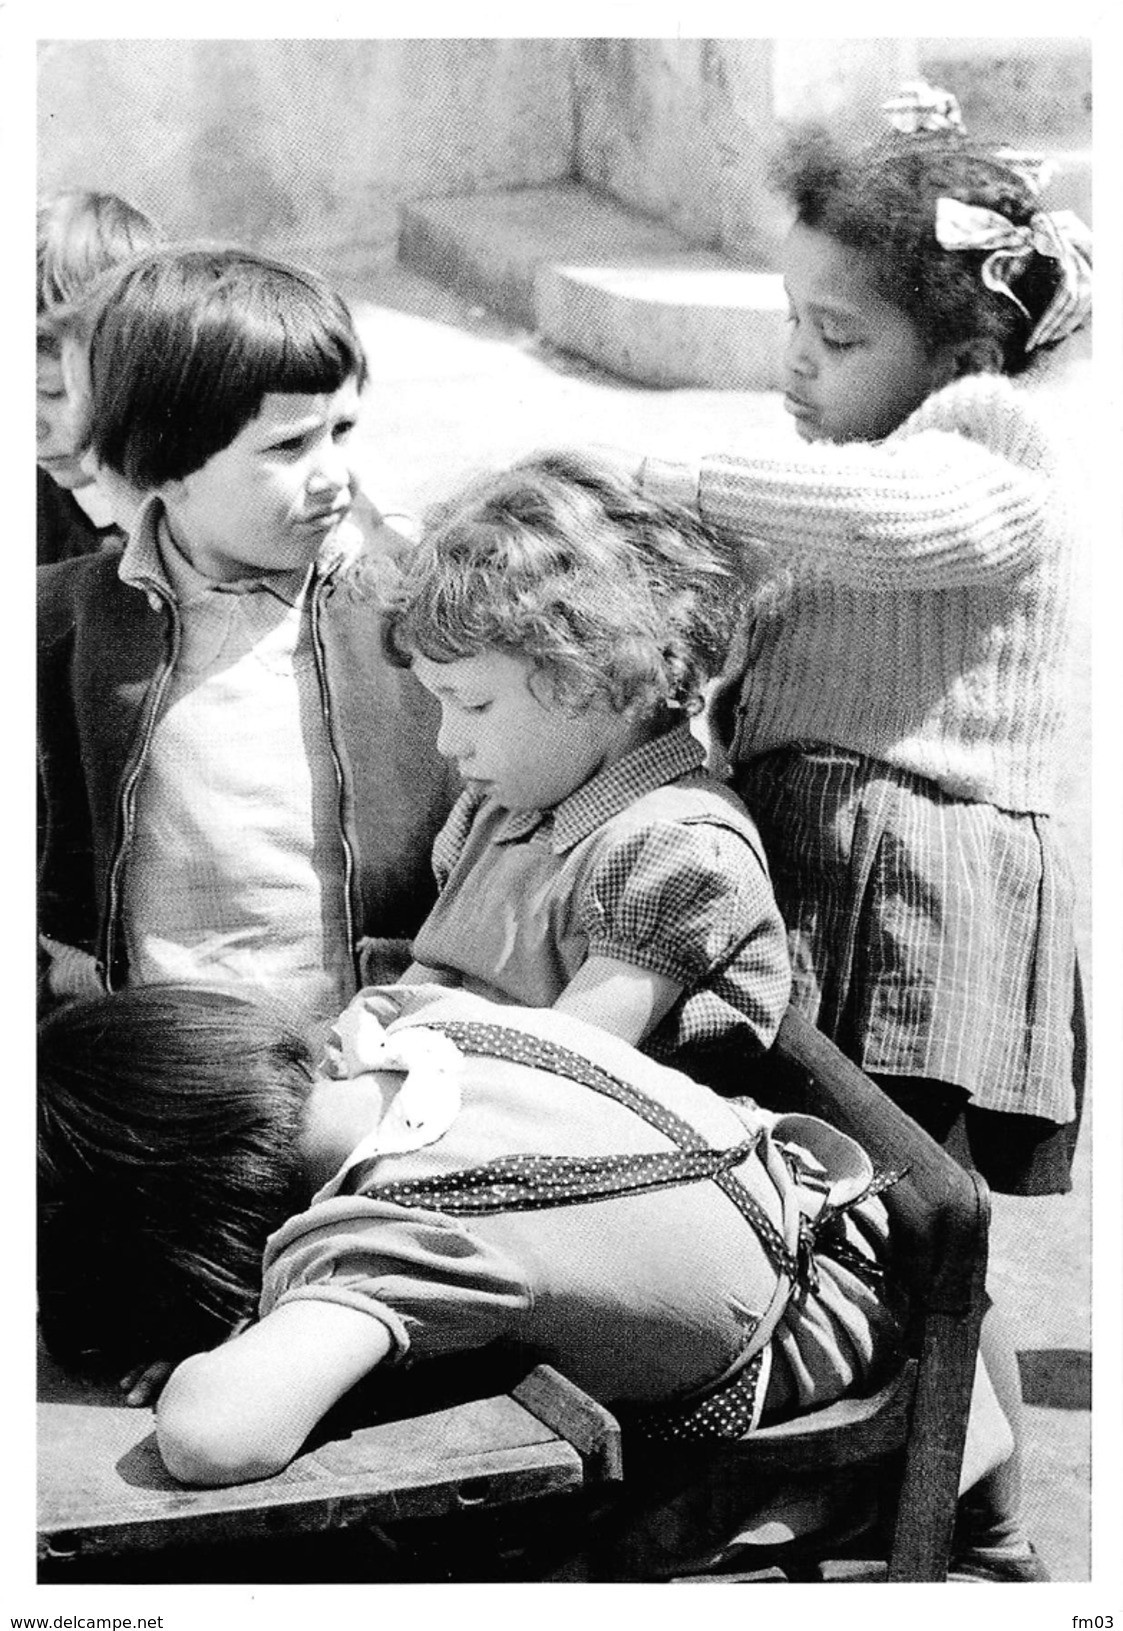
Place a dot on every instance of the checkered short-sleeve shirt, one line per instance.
(654, 863)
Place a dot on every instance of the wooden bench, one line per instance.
(411, 1465)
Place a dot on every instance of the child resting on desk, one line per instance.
(572, 1199)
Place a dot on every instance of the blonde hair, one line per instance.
(80, 235)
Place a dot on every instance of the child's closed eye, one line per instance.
(838, 342)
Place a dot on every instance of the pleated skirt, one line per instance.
(933, 939)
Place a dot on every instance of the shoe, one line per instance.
(982, 1566)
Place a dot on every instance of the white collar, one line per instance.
(94, 501)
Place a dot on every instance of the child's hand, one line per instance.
(383, 961)
(144, 1384)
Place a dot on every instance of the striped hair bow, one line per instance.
(1060, 235)
(919, 106)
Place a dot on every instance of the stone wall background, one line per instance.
(306, 146)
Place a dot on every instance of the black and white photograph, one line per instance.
(474, 469)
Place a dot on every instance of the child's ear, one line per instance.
(977, 356)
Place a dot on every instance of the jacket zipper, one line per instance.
(126, 803)
(319, 589)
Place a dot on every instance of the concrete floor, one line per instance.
(454, 389)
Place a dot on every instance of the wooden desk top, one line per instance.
(103, 1489)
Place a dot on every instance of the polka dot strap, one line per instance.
(517, 1047)
(524, 1183)
(730, 1411)
(520, 1048)
(731, 1407)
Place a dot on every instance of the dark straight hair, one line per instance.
(168, 1127)
(184, 343)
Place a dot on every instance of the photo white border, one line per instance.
(187, 1607)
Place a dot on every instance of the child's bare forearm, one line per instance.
(243, 1410)
(619, 997)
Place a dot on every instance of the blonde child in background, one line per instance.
(894, 712)
(80, 235)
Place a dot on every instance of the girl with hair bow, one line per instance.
(894, 707)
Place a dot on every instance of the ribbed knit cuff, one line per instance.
(669, 483)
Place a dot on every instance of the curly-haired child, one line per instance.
(567, 625)
(894, 713)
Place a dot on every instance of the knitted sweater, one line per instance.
(912, 601)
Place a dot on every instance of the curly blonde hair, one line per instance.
(563, 561)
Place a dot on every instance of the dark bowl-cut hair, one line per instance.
(184, 343)
(609, 594)
(168, 1123)
(79, 236)
(880, 198)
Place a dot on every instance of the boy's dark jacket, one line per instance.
(62, 527)
(105, 648)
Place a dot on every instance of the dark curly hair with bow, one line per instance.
(880, 198)
(609, 594)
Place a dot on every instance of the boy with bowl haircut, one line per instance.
(236, 786)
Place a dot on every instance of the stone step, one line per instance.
(621, 290)
(491, 245)
(686, 320)
(613, 286)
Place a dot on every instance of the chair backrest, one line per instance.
(779, 1496)
(939, 1217)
